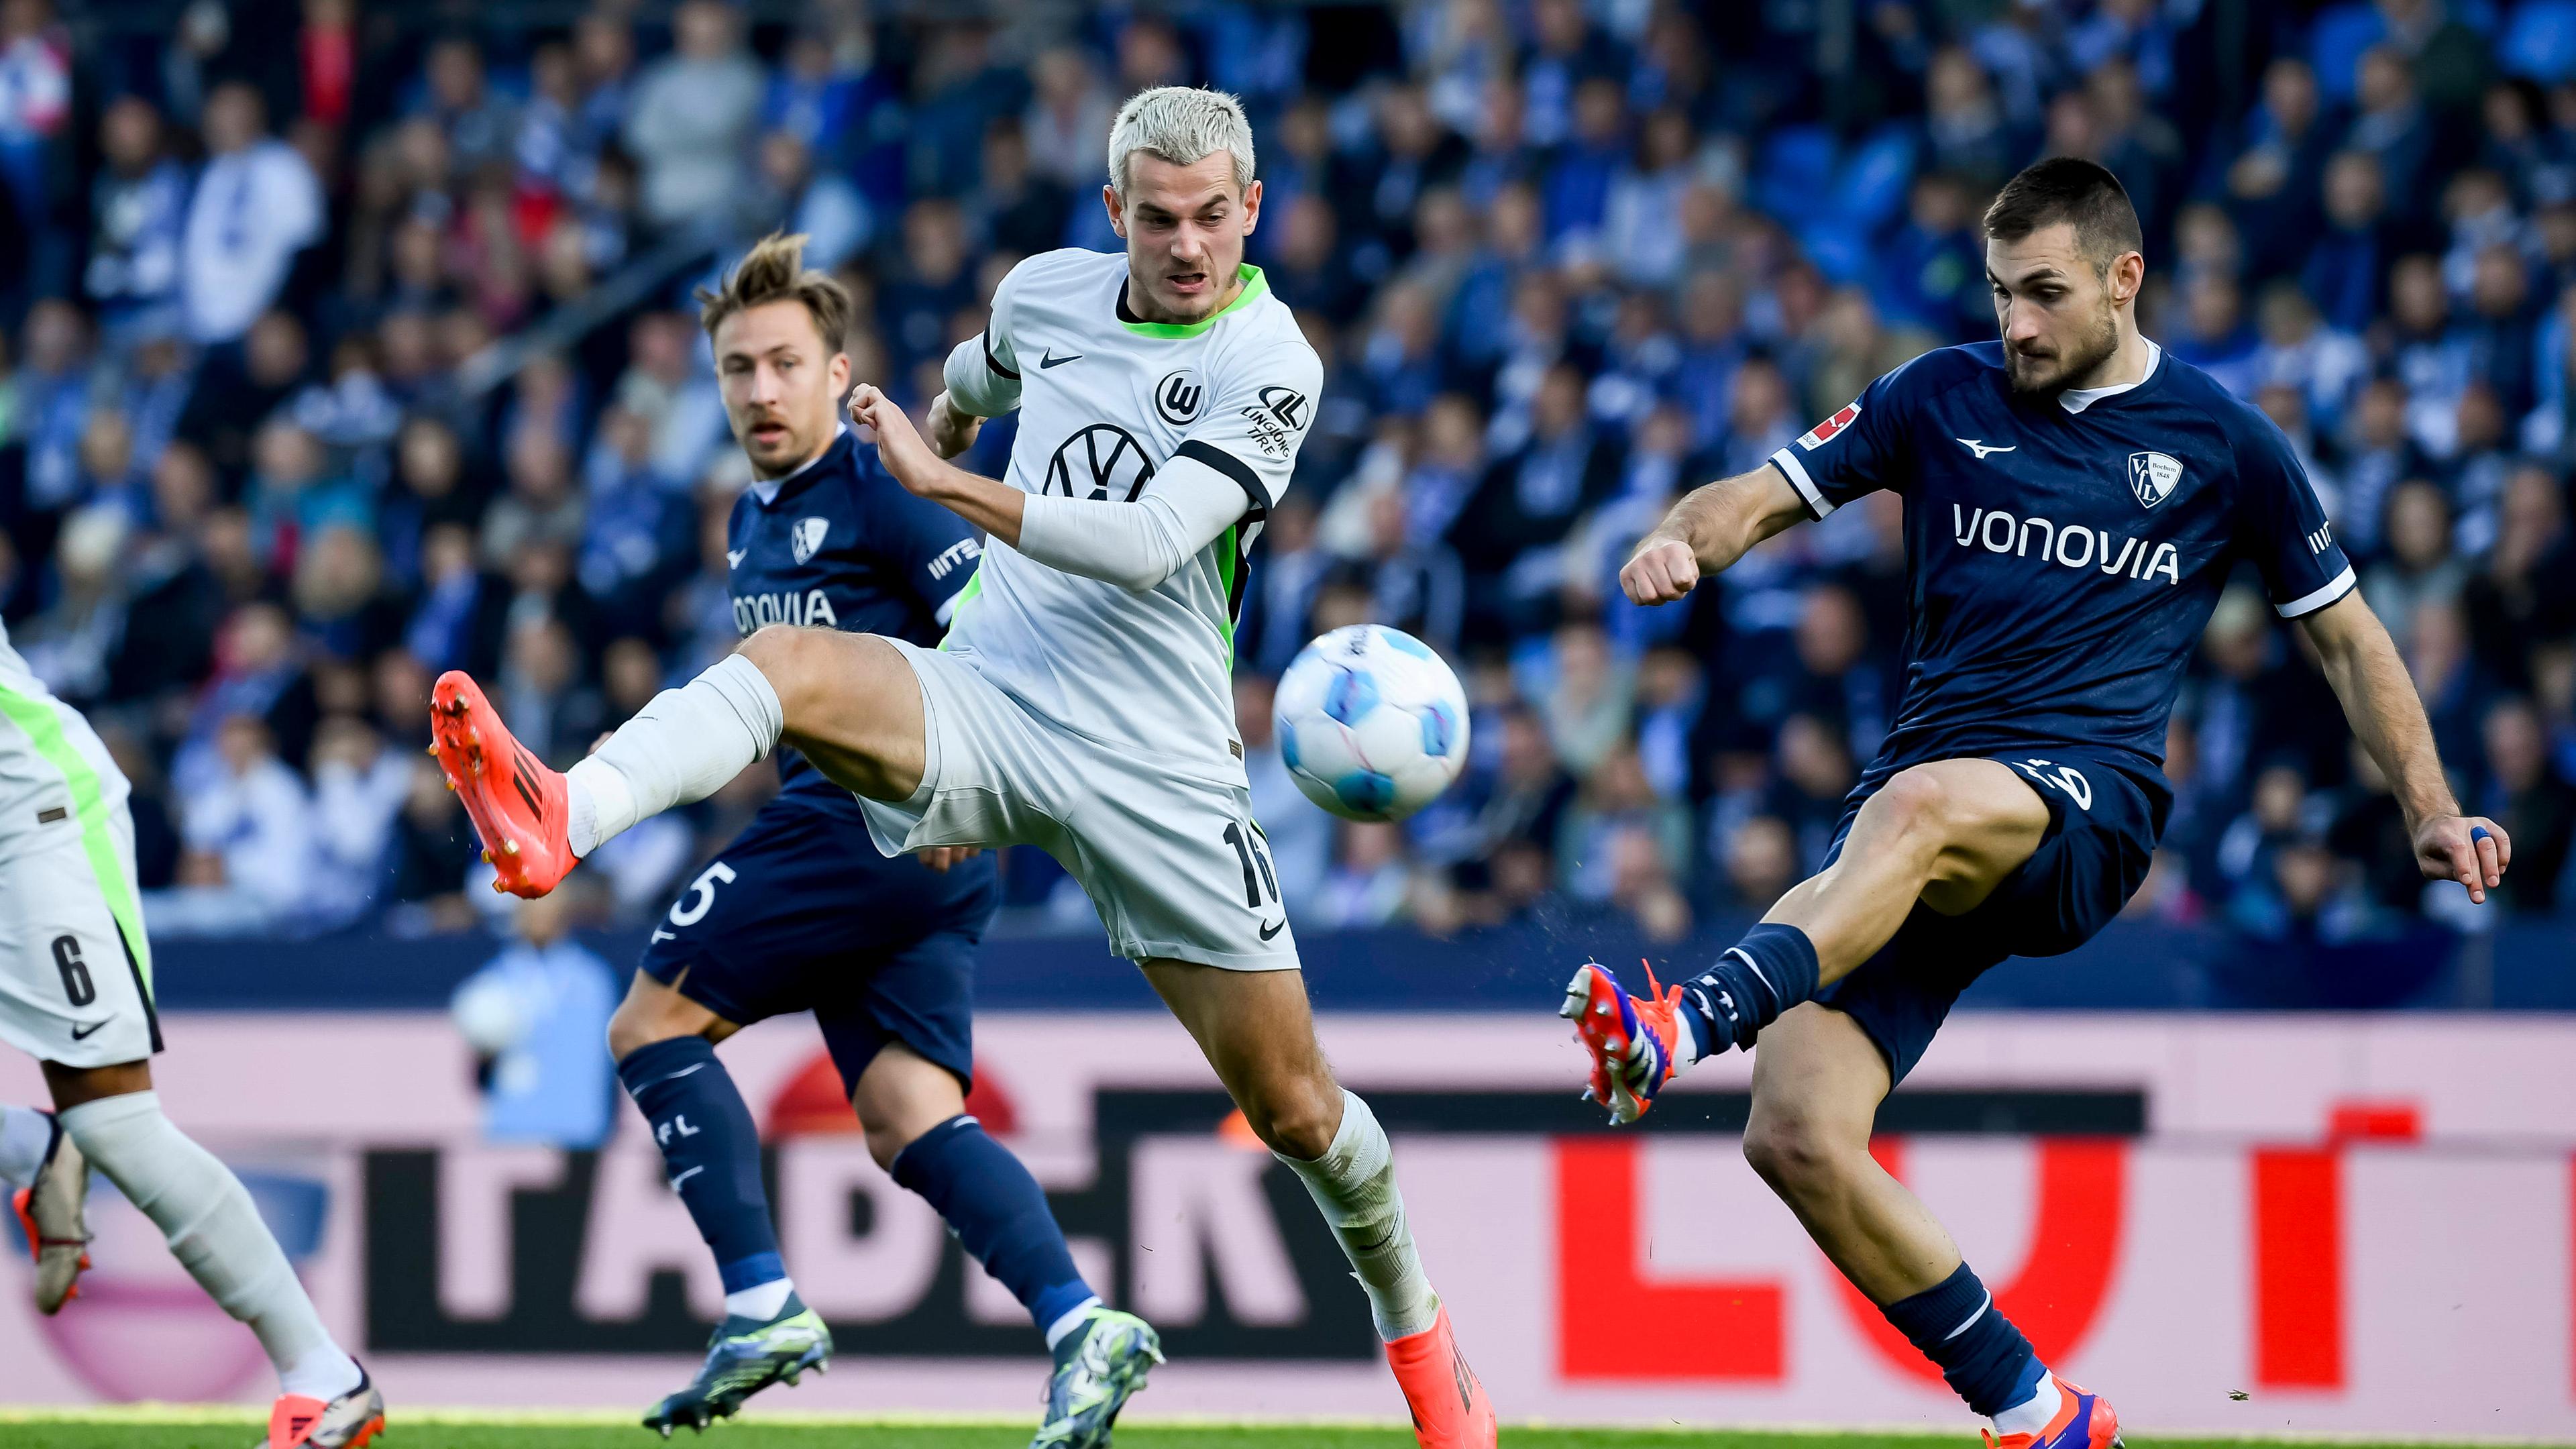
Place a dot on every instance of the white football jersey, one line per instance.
(1104, 402)
(53, 767)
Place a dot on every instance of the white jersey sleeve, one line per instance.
(1265, 397)
(982, 374)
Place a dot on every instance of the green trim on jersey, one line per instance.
(1229, 571)
(974, 590)
(1255, 287)
(44, 730)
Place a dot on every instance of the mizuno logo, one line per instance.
(735, 556)
(1051, 360)
(1981, 447)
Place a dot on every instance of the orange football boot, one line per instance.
(517, 804)
(2083, 1421)
(1450, 1410)
(351, 1421)
(1629, 1038)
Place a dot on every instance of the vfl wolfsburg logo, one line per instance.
(2152, 476)
(1178, 396)
(1102, 462)
(807, 538)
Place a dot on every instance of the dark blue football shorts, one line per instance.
(2103, 823)
(801, 913)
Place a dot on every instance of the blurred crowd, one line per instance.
(318, 385)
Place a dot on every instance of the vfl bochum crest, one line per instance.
(2152, 476)
(807, 540)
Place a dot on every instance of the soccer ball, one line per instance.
(1372, 725)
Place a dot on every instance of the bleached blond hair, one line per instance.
(1182, 125)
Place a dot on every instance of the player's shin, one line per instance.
(1771, 970)
(1000, 1215)
(711, 1151)
(215, 1232)
(682, 746)
(1984, 1358)
(1353, 1185)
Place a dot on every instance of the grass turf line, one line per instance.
(173, 1430)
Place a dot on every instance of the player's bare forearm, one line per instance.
(952, 426)
(1707, 531)
(989, 504)
(2387, 716)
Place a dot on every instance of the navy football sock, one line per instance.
(712, 1151)
(1957, 1325)
(998, 1212)
(1772, 969)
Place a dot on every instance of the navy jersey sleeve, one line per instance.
(933, 549)
(2281, 525)
(1858, 450)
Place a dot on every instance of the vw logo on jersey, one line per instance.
(807, 538)
(1102, 461)
(1178, 396)
(2152, 476)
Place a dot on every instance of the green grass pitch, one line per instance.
(189, 1428)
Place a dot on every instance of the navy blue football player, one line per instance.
(2074, 502)
(801, 912)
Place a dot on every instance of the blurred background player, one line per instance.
(1082, 698)
(2014, 807)
(802, 913)
(76, 994)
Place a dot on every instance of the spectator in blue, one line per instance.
(138, 222)
(535, 1016)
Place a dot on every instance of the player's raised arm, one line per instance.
(1709, 529)
(2368, 676)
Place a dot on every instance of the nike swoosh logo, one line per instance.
(84, 1033)
(1274, 928)
(1051, 360)
(735, 556)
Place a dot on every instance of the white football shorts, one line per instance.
(1173, 863)
(75, 986)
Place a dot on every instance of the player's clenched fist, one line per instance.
(899, 444)
(1663, 570)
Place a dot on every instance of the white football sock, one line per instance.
(2032, 1414)
(215, 1232)
(760, 1302)
(25, 1133)
(682, 746)
(1353, 1184)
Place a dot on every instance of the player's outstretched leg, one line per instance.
(849, 702)
(1942, 835)
(918, 1129)
(114, 1120)
(1817, 1084)
(1257, 1031)
(711, 1154)
(48, 1180)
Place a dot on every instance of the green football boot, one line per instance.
(1097, 1367)
(743, 1358)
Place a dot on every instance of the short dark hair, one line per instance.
(2069, 189)
(775, 271)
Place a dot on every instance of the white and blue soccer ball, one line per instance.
(1371, 723)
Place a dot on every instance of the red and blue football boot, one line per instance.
(1630, 1038)
(2083, 1421)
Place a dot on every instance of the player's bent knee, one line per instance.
(1801, 1152)
(1917, 800)
(1299, 1123)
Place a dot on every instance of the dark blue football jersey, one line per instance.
(842, 546)
(2061, 565)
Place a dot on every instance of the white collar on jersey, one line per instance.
(2076, 400)
(768, 488)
